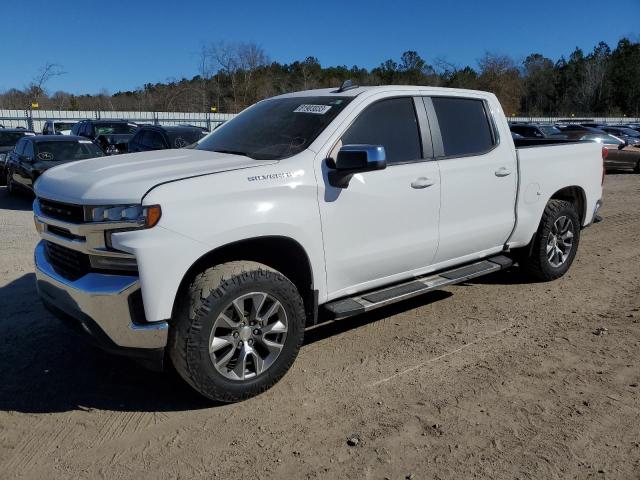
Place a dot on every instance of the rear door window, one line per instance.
(391, 123)
(157, 142)
(464, 126)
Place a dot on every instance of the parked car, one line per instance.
(57, 127)
(569, 128)
(318, 204)
(34, 155)
(629, 135)
(161, 138)
(110, 135)
(620, 155)
(536, 130)
(9, 137)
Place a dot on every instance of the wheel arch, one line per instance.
(575, 195)
(281, 253)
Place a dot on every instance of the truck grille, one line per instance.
(68, 263)
(62, 211)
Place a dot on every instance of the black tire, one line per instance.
(536, 262)
(209, 295)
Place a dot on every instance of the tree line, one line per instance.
(232, 76)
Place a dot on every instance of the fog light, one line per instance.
(101, 262)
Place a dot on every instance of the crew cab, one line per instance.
(309, 206)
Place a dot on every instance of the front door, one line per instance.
(384, 226)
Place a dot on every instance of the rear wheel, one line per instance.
(238, 331)
(555, 243)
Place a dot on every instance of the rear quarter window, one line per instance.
(464, 126)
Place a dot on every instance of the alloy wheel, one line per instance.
(560, 241)
(248, 336)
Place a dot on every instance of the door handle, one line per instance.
(422, 182)
(502, 172)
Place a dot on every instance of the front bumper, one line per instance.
(105, 306)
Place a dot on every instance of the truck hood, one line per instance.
(127, 178)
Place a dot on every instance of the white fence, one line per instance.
(34, 119)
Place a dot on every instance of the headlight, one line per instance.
(144, 216)
(2, 157)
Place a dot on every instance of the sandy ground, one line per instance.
(498, 378)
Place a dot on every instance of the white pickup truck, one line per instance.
(317, 204)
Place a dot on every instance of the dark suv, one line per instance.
(33, 155)
(151, 137)
(9, 137)
(110, 135)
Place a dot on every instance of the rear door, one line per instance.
(384, 225)
(478, 178)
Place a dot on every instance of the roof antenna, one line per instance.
(346, 85)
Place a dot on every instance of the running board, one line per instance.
(365, 302)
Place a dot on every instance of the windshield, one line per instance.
(62, 151)
(277, 128)
(549, 130)
(114, 128)
(9, 139)
(602, 138)
(59, 126)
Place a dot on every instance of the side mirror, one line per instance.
(622, 145)
(352, 159)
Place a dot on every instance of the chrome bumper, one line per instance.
(99, 299)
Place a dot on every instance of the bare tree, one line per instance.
(500, 75)
(239, 63)
(46, 73)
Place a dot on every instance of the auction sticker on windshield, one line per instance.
(317, 109)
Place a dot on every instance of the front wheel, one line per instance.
(555, 243)
(237, 331)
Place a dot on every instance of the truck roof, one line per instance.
(354, 92)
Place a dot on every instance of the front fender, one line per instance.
(202, 214)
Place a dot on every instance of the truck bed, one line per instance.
(545, 171)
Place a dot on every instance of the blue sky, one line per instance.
(120, 45)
